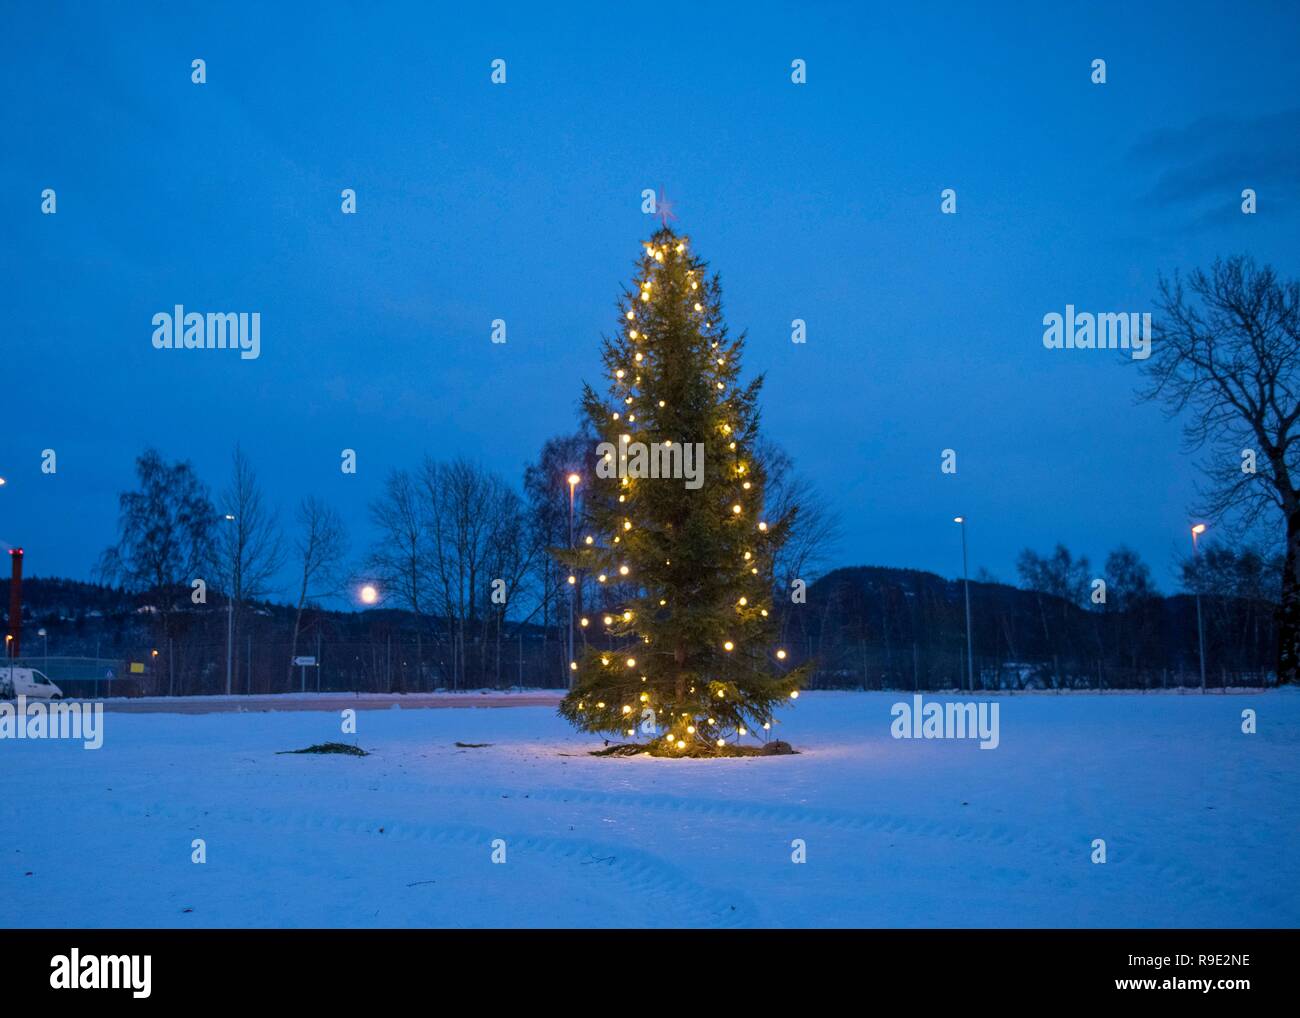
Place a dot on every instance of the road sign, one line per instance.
(305, 662)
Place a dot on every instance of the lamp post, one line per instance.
(230, 623)
(46, 638)
(1197, 531)
(970, 657)
(573, 480)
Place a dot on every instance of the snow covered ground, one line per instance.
(1199, 819)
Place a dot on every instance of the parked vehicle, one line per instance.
(28, 682)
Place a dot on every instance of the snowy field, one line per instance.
(1199, 819)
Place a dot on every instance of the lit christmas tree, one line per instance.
(673, 533)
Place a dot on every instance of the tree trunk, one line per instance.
(1288, 615)
(293, 645)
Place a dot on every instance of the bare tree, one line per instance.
(814, 531)
(1225, 356)
(164, 534)
(248, 545)
(478, 534)
(547, 492)
(400, 555)
(320, 546)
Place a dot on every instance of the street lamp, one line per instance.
(573, 480)
(46, 638)
(1197, 531)
(970, 657)
(230, 623)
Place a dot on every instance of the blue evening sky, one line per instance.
(522, 202)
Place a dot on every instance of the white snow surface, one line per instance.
(1200, 821)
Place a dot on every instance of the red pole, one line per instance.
(16, 601)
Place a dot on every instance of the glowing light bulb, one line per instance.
(728, 646)
(622, 570)
(631, 662)
(690, 729)
(572, 579)
(780, 654)
(743, 601)
(762, 526)
(627, 709)
(736, 508)
(586, 622)
(794, 694)
(722, 742)
(573, 666)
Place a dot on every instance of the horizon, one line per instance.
(522, 203)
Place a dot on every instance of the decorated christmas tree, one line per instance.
(680, 644)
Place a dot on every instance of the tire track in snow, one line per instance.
(1170, 876)
(632, 870)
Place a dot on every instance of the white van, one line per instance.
(28, 682)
